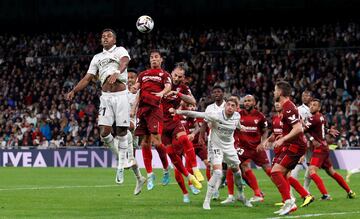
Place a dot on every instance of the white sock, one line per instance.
(213, 184)
(123, 145)
(307, 180)
(238, 182)
(296, 170)
(109, 142)
(353, 171)
(136, 171)
(130, 149)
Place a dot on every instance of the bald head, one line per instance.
(249, 102)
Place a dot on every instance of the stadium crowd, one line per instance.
(37, 70)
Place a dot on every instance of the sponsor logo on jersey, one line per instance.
(249, 128)
(151, 78)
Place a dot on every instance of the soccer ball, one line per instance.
(145, 24)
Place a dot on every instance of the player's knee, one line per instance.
(105, 131)
(144, 144)
(156, 140)
(244, 166)
(312, 170)
(330, 171)
(218, 172)
(121, 131)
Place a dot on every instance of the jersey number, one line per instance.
(103, 111)
(240, 151)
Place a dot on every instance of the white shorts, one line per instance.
(228, 155)
(114, 107)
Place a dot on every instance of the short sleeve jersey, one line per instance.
(107, 62)
(277, 129)
(291, 117)
(253, 122)
(174, 101)
(316, 128)
(152, 81)
(222, 128)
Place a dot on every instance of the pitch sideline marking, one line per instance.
(316, 215)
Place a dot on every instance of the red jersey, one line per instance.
(152, 80)
(277, 129)
(290, 117)
(174, 101)
(316, 128)
(254, 123)
(189, 124)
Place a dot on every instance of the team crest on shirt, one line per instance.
(292, 118)
(161, 74)
(256, 121)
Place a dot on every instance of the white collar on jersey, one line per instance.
(110, 50)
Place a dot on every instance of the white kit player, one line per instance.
(222, 126)
(304, 112)
(217, 106)
(111, 67)
(127, 157)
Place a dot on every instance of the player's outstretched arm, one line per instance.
(190, 99)
(80, 86)
(190, 113)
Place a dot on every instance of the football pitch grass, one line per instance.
(92, 193)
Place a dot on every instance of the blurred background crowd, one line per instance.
(38, 69)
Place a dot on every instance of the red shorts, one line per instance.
(321, 159)
(201, 151)
(150, 120)
(290, 157)
(246, 154)
(278, 153)
(170, 130)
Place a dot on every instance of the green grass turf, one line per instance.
(92, 193)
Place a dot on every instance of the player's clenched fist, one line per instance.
(70, 95)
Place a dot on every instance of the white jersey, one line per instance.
(132, 98)
(304, 112)
(107, 62)
(221, 147)
(222, 128)
(214, 107)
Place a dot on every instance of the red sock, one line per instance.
(245, 178)
(176, 160)
(319, 183)
(180, 181)
(340, 180)
(147, 156)
(230, 181)
(298, 187)
(251, 179)
(208, 173)
(282, 184)
(161, 149)
(188, 167)
(188, 149)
